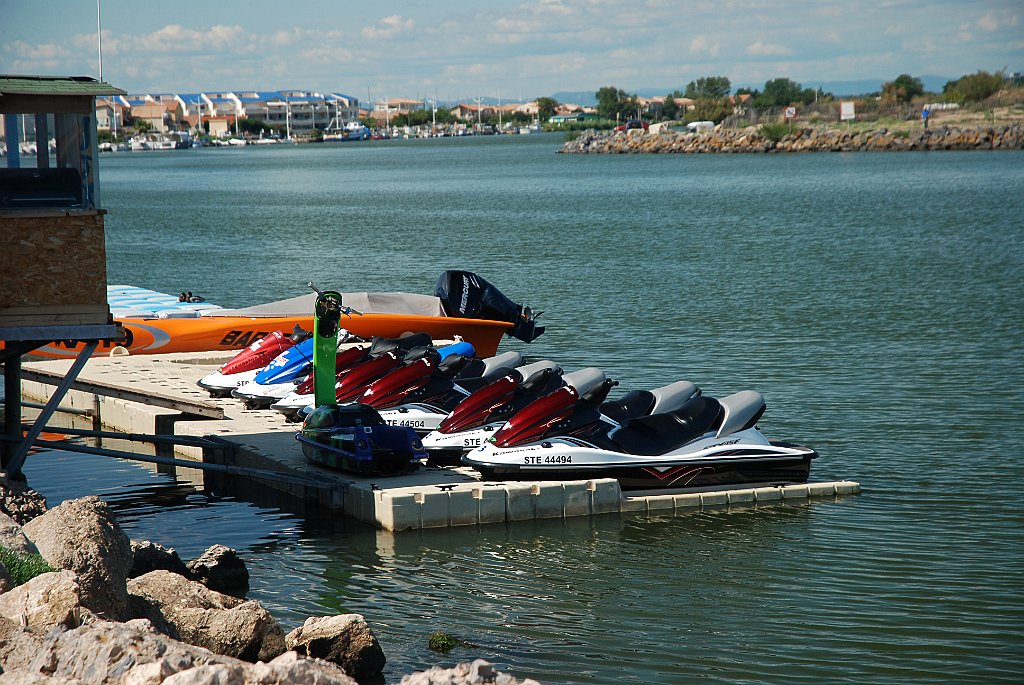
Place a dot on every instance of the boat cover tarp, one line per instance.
(366, 303)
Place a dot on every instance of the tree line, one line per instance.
(714, 100)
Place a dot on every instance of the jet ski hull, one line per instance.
(221, 385)
(422, 418)
(772, 463)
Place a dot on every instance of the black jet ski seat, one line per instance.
(475, 368)
(643, 402)
(661, 433)
(379, 345)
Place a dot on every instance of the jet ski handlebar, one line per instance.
(329, 299)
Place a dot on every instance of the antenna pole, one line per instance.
(99, 38)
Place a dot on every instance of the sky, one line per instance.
(516, 50)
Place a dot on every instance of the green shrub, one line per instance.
(23, 567)
(774, 132)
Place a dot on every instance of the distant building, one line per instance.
(161, 116)
(220, 127)
(506, 111)
(255, 104)
(191, 107)
(110, 114)
(221, 104)
(345, 108)
(473, 112)
(398, 106)
(295, 111)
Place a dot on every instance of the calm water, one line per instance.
(875, 299)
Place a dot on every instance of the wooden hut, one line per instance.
(53, 272)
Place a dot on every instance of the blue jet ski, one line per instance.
(278, 378)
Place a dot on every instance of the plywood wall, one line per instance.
(52, 264)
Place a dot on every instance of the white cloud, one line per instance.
(763, 49)
(989, 22)
(48, 52)
(553, 7)
(388, 27)
(324, 54)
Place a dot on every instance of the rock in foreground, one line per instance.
(82, 536)
(345, 640)
(219, 568)
(133, 653)
(476, 673)
(193, 613)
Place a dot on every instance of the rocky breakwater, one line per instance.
(755, 139)
(81, 603)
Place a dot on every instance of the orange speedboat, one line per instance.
(157, 323)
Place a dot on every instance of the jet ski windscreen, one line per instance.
(465, 294)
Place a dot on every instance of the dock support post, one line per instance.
(12, 408)
(13, 467)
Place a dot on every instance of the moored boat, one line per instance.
(463, 305)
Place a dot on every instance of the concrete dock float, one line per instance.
(115, 391)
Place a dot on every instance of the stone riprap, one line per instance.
(82, 536)
(173, 630)
(19, 501)
(752, 139)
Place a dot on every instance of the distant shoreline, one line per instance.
(802, 139)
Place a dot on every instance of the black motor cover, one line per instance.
(465, 294)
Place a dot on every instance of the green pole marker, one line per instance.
(326, 313)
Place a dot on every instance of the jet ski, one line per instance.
(301, 395)
(353, 383)
(477, 417)
(354, 437)
(244, 366)
(382, 358)
(280, 378)
(420, 395)
(705, 442)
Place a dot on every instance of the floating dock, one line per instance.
(158, 394)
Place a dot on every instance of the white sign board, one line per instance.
(791, 112)
(846, 112)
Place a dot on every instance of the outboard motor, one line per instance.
(464, 294)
